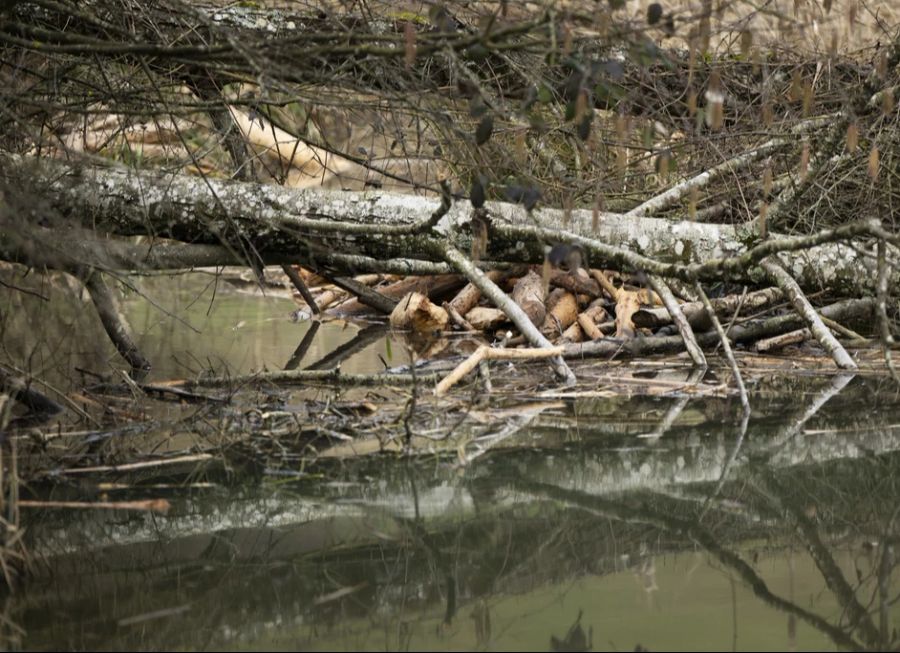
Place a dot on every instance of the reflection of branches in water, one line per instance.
(742, 431)
(792, 427)
(359, 342)
(304, 346)
(692, 529)
(834, 578)
(887, 561)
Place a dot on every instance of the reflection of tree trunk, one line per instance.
(612, 509)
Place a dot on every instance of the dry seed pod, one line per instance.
(694, 199)
(887, 101)
(767, 181)
(873, 162)
(763, 212)
(807, 98)
(852, 137)
(692, 103)
(881, 65)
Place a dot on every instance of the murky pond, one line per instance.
(591, 520)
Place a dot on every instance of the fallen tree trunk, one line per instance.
(276, 224)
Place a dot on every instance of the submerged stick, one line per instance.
(151, 505)
(144, 464)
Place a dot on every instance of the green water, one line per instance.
(639, 512)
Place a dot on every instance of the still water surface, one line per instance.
(609, 522)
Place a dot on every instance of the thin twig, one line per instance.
(726, 347)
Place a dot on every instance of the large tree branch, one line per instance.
(302, 226)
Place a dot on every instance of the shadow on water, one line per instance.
(593, 532)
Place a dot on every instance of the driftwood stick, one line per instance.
(500, 299)
(837, 327)
(850, 308)
(575, 284)
(588, 327)
(363, 293)
(726, 348)
(801, 304)
(332, 376)
(467, 298)
(485, 353)
(695, 312)
(605, 284)
(113, 320)
(684, 328)
(144, 464)
(457, 318)
(782, 340)
(300, 285)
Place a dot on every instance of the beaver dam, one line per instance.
(449, 325)
(639, 506)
